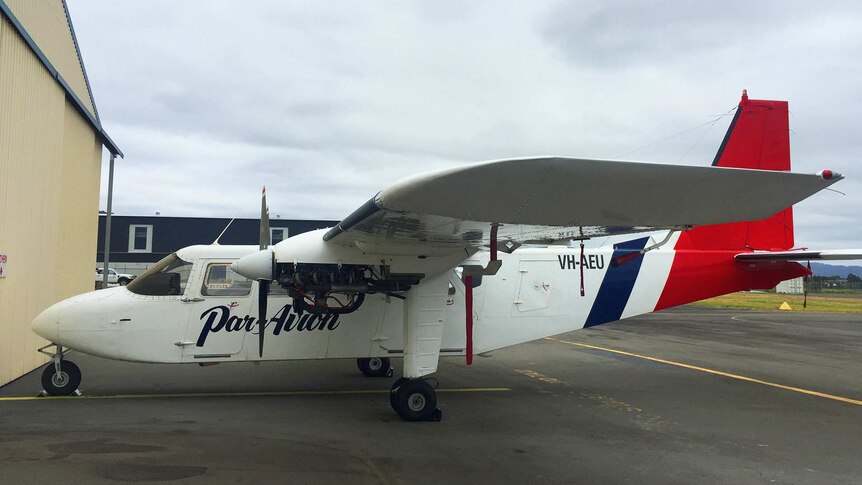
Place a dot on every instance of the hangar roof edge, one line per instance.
(93, 121)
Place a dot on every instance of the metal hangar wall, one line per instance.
(50, 163)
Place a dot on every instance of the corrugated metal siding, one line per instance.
(45, 21)
(49, 182)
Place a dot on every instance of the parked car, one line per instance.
(114, 278)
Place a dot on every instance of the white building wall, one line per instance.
(795, 286)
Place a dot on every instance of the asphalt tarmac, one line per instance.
(684, 396)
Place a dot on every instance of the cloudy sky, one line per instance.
(326, 103)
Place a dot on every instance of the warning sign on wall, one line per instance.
(2, 265)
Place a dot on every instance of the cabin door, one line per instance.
(219, 313)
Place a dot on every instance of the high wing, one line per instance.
(552, 198)
(806, 255)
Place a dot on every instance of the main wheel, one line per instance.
(415, 400)
(63, 384)
(122, 282)
(393, 393)
(375, 366)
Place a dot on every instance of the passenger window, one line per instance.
(220, 280)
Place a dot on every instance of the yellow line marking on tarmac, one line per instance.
(541, 377)
(238, 394)
(714, 372)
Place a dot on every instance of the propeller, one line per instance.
(259, 266)
(263, 283)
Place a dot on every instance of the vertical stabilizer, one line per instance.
(758, 138)
(704, 264)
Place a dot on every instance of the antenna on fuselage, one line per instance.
(215, 243)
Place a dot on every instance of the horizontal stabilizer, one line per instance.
(832, 254)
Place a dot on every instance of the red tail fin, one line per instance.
(758, 138)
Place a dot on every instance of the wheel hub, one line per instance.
(375, 363)
(416, 402)
(60, 379)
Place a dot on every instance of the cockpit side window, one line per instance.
(167, 277)
(220, 280)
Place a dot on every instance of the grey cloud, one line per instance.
(327, 103)
(643, 33)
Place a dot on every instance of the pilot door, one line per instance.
(219, 313)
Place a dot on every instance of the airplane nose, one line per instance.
(256, 266)
(47, 324)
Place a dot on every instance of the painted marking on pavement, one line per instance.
(714, 372)
(541, 377)
(238, 394)
(612, 403)
(605, 401)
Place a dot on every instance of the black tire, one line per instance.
(414, 400)
(374, 366)
(64, 385)
(394, 391)
(122, 281)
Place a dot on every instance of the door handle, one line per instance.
(191, 300)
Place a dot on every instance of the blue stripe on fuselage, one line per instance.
(617, 284)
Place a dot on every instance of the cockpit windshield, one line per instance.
(167, 277)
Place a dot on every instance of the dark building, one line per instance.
(139, 241)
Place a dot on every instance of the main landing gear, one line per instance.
(415, 400)
(375, 366)
(61, 377)
(412, 399)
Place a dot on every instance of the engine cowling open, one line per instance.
(339, 288)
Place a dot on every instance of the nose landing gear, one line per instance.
(61, 377)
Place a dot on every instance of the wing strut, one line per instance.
(491, 269)
(468, 305)
(494, 228)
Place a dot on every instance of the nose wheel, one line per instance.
(61, 377)
(62, 383)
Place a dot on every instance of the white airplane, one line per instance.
(461, 262)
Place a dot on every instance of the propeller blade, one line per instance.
(262, 294)
(265, 237)
(263, 283)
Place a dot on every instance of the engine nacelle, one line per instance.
(328, 277)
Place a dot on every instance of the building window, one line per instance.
(277, 234)
(140, 238)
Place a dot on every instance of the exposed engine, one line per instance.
(339, 288)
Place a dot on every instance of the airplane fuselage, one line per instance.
(536, 293)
